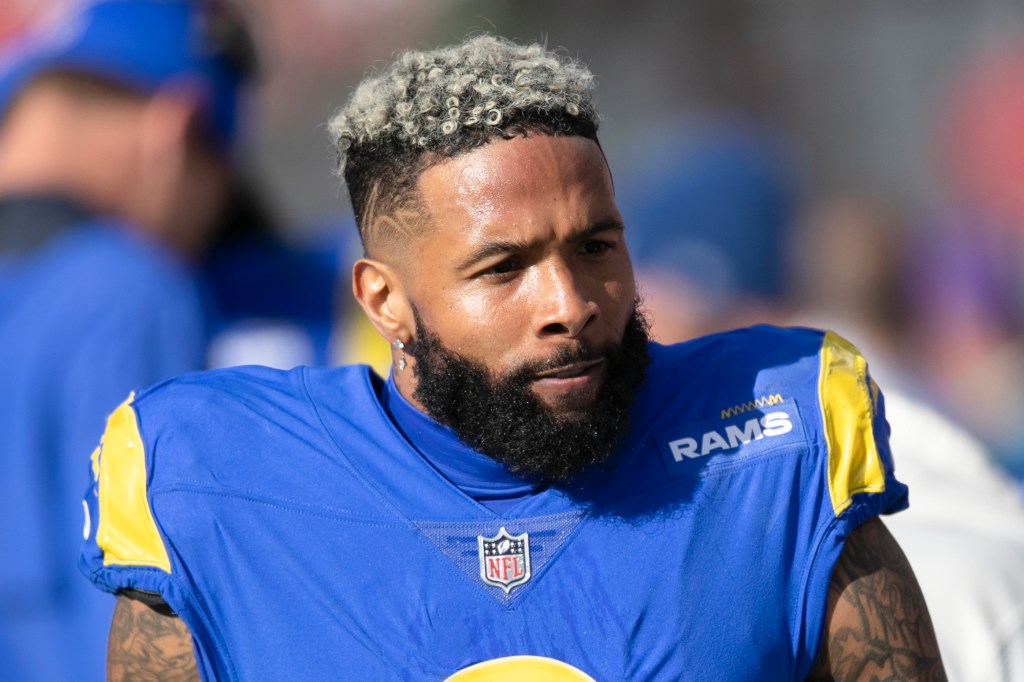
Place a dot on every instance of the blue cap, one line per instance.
(141, 45)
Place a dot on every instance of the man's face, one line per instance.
(525, 260)
(527, 341)
(505, 420)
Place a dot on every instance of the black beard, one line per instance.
(503, 419)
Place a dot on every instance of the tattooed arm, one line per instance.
(877, 625)
(148, 643)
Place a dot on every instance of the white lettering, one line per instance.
(776, 424)
(684, 447)
(751, 431)
(713, 441)
(87, 529)
(772, 424)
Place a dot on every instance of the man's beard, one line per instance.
(503, 419)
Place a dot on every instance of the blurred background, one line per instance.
(758, 147)
(857, 166)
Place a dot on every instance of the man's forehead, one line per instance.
(513, 182)
(495, 159)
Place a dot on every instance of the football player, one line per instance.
(536, 491)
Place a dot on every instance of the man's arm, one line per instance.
(877, 625)
(148, 643)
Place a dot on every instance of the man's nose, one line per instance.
(566, 306)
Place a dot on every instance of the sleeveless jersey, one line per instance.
(298, 535)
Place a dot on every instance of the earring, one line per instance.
(398, 345)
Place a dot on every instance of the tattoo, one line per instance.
(877, 623)
(148, 646)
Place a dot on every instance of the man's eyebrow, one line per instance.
(500, 247)
(491, 249)
(599, 227)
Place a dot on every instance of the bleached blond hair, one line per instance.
(428, 106)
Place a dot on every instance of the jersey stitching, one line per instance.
(341, 452)
(284, 505)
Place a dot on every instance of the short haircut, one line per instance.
(428, 106)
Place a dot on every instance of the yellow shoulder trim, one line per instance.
(847, 410)
(127, 533)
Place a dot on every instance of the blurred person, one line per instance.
(116, 124)
(709, 208)
(536, 491)
(969, 253)
(964, 531)
(846, 267)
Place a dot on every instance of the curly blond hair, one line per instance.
(428, 106)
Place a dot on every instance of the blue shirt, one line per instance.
(299, 535)
(475, 474)
(86, 314)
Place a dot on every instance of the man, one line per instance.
(115, 128)
(536, 491)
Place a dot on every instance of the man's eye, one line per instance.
(596, 247)
(504, 267)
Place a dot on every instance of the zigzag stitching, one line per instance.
(751, 405)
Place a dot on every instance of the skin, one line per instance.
(186, 190)
(138, 158)
(877, 625)
(146, 645)
(524, 254)
(524, 241)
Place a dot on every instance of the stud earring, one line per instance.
(399, 346)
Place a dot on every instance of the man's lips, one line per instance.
(571, 371)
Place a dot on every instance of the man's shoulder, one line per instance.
(752, 389)
(252, 389)
(236, 427)
(238, 380)
(772, 405)
(759, 363)
(757, 342)
(731, 394)
(757, 345)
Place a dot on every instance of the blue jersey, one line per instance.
(297, 534)
(88, 312)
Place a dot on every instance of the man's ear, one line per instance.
(377, 288)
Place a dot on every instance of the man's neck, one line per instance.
(475, 474)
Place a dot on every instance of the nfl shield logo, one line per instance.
(504, 559)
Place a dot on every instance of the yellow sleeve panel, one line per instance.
(848, 410)
(127, 533)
